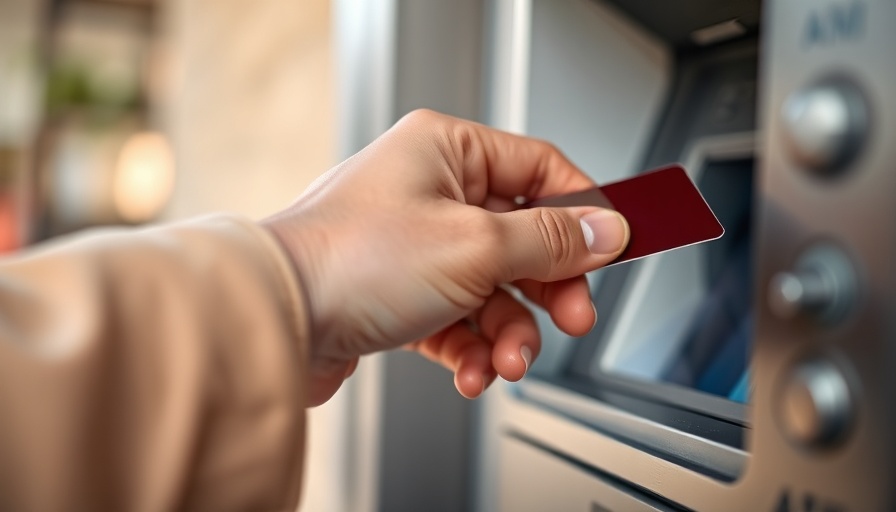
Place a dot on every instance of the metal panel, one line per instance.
(808, 40)
(407, 444)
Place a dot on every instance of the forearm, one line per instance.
(153, 369)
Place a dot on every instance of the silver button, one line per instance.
(793, 293)
(815, 406)
(823, 285)
(825, 124)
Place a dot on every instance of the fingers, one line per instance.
(550, 244)
(512, 329)
(567, 301)
(474, 370)
(516, 165)
(465, 352)
(487, 161)
(505, 344)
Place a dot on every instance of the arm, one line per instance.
(155, 369)
(169, 368)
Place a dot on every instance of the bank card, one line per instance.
(663, 207)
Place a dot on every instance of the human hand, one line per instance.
(410, 242)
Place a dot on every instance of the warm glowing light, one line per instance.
(144, 177)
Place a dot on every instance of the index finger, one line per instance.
(490, 162)
(513, 165)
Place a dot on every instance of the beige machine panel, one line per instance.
(532, 479)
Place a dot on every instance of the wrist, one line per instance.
(302, 248)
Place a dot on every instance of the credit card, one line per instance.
(663, 207)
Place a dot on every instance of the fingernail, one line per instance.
(594, 308)
(604, 231)
(526, 354)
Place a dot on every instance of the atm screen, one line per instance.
(687, 317)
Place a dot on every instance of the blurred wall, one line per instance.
(250, 102)
(19, 85)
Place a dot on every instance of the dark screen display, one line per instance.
(701, 341)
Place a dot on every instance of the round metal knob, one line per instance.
(825, 124)
(823, 286)
(806, 291)
(815, 406)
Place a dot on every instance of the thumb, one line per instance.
(549, 244)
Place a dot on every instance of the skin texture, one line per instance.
(416, 241)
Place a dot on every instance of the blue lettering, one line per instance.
(815, 31)
(835, 23)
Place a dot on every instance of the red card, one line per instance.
(663, 208)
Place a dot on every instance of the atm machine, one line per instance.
(749, 373)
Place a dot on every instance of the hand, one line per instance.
(410, 241)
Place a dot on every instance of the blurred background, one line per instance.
(127, 111)
(135, 111)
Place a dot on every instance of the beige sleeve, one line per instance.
(157, 369)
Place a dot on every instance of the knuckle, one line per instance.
(550, 148)
(548, 151)
(422, 116)
(435, 128)
(556, 235)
